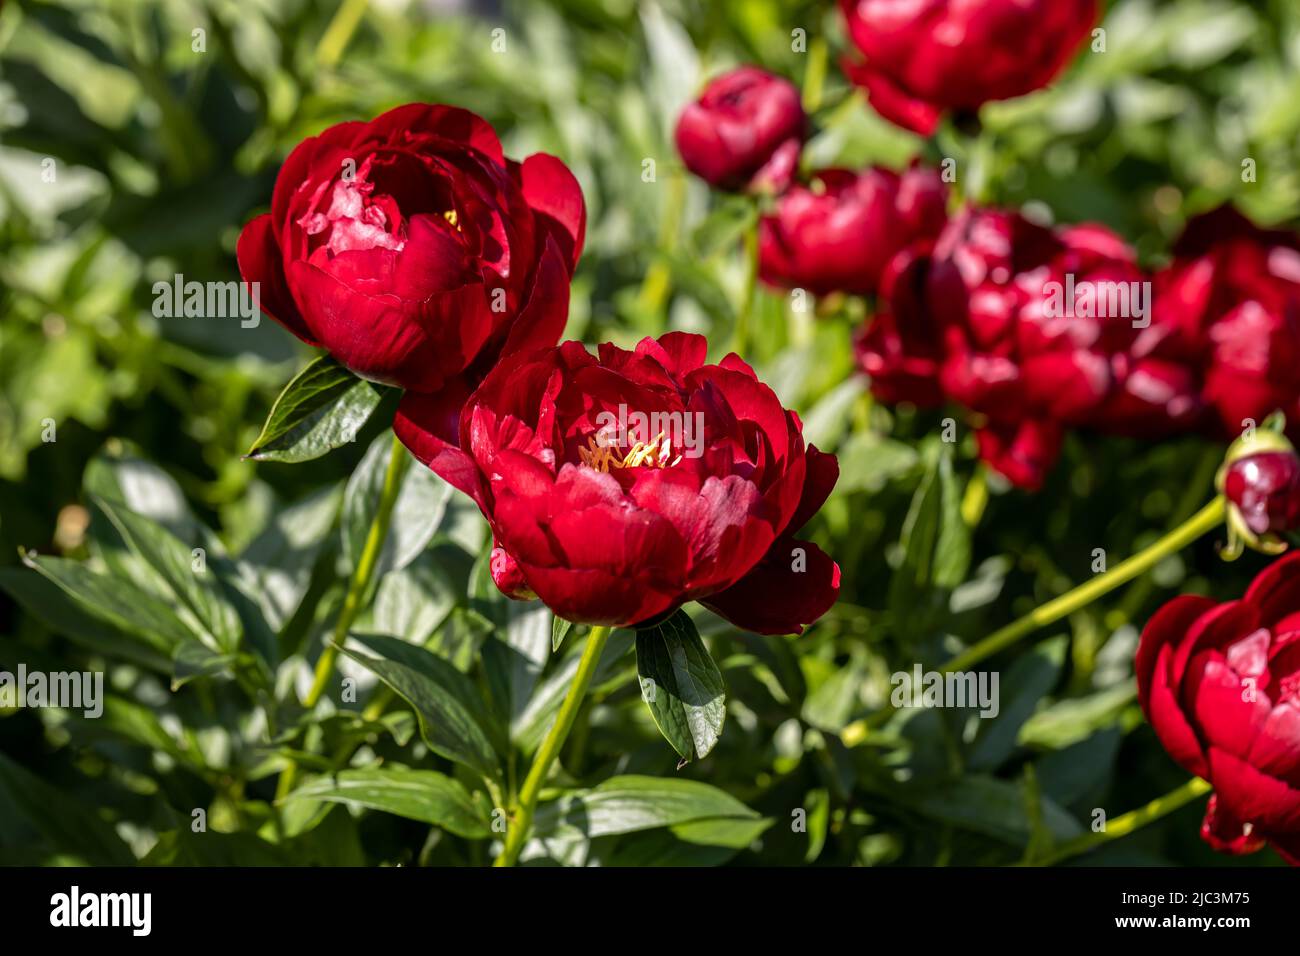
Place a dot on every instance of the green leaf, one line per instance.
(422, 795)
(118, 602)
(630, 803)
(322, 408)
(528, 728)
(724, 225)
(118, 474)
(453, 720)
(277, 564)
(681, 685)
(417, 512)
(49, 604)
(191, 580)
(32, 810)
(414, 602)
(559, 631)
(952, 550)
(868, 461)
(1068, 721)
(992, 807)
(1020, 688)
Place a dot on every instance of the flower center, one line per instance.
(652, 454)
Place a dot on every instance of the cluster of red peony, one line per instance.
(1038, 330)
(1033, 330)
(419, 256)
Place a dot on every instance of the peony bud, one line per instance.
(1260, 479)
(744, 133)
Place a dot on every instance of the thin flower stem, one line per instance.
(357, 587)
(1205, 520)
(1124, 825)
(814, 77)
(1054, 610)
(336, 36)
(522, 822)
(1202, 480)
(740, 340)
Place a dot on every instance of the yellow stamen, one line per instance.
(451, 216)
(654, 454)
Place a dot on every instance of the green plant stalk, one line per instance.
(740, 340)
(814, 77)
(336, 36)
(357, 587)
(659, 276)
(1202, 480)
(522, 821)
(1133, 820)
(1208, 518)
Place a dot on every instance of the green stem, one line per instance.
(1202, 480)
(740, 340)
(659, 277)
(522, 821)
(814, 77)
(1204, 520)
(1133, 820)
(357, 588)
(336, 36)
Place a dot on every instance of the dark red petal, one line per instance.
(774, 598)
(427, 425)
(823, 471)
(678, 352)
(541, 321)
(1276, 591)
(1157, 692)
(260, 262)
(1227, 834)
(891, 102)
(1168, 626)
(553, 192)
(414, 345)
(447, 122)
(1250, 794)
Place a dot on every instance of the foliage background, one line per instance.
(163, 153)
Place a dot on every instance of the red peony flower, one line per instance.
(1229, 305)
(413, 251)
(1032, 329)
(1220, 684)
(611, 518)
(744, 132)
(839, 233)
(928, 57)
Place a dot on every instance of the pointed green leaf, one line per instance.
(681, 685)
(191, 580)
(322, 408)
(453, 720)
(414, 794)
